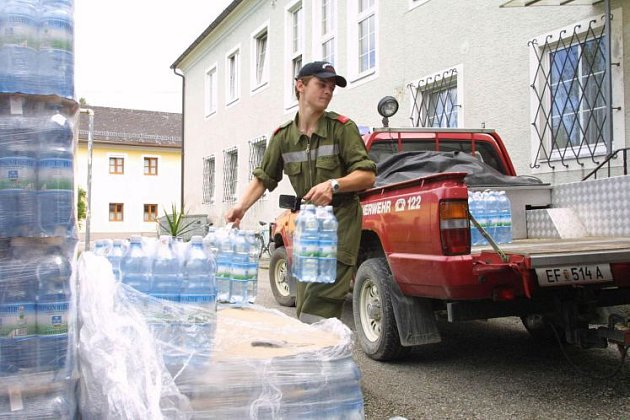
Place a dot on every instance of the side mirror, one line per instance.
(290, 202)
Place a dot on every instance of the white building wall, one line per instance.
(488, 45)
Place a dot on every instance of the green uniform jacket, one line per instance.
(334, 150)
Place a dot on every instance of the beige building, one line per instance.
(538, 75)
(136, 170)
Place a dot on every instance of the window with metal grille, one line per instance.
(116, 165)
(230, 174)
(257, 149)
(208, 180)
(116, 212)
(150, 212)
(571, 103)
(150, 166)
(435, 100)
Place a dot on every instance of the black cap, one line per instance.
(321, 70)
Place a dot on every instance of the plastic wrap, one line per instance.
(260, 363)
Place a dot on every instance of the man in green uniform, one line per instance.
(326, 161)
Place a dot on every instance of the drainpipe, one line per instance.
(181, 206)
(608, 59)
(88, 210)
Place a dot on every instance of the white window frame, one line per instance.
(211, 96)
(209, 183)
(233, 71)
(617, 71)
(425, 82)
(354, 20)
(293, 51)
(319, 37)
(256, 84)
(227, 196)
(255, 144)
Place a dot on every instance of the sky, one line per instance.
(124, 49)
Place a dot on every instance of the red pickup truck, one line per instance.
(416, 263)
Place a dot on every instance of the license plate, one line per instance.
(574, 274)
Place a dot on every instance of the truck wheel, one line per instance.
(373, 313)
(280, 276)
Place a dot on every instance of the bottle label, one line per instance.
(52, 318)
(56, 34)
(55, 174)
(17, 173)
(17, 320)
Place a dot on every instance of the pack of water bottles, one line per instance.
(37, 328)
(36, 168)
(315, 245)
(237, 253)
(37, 47)
(493, 212)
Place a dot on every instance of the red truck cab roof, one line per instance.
(485, 144)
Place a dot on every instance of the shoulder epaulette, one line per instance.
(343, 119)
(284, 125)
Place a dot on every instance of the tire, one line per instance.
(374, 319)
(280, 276)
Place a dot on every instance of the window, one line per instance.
(570, 99)
(230, 174)
(362, 48)
(436, 100)
(324, 30)
(295, 47)
(211, 91)
(233, 74)
(150, 212)
(260, 49)
(257, 149)
(208, 180)
(116, 212)
(116, 165)
(150, 166)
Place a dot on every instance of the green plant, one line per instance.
(174, 223)
(81, 205)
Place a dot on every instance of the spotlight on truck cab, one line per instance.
(387, 107)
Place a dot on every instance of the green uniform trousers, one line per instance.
(316, 301)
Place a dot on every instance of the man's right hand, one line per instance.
(234, 215)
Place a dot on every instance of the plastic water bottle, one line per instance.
(18, 313)
(240, 268)
(492, 212)
(252, 266)
(505, 218)
(18, 176)
(166, 276)
(225, 256)
(18, 47)
(199, 289)
(53, 304)
(327, 245)
(55, 178)
(56, 49)
(309, 246)
(135, 267)
(115, 257)
(476, 208)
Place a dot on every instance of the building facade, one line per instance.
(538, 75)
(136, 168)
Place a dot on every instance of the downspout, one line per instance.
(88, 210)
(608, 59)
(181, 187)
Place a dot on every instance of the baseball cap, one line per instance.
(321, 70)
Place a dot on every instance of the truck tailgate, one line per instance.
(548, 252)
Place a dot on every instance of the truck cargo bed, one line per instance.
(546, 252)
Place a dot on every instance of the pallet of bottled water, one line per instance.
(493, 212)
(315, 245)
(38, 373)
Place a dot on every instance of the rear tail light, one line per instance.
(455, 227)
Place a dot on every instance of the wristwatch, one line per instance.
(335, 185)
